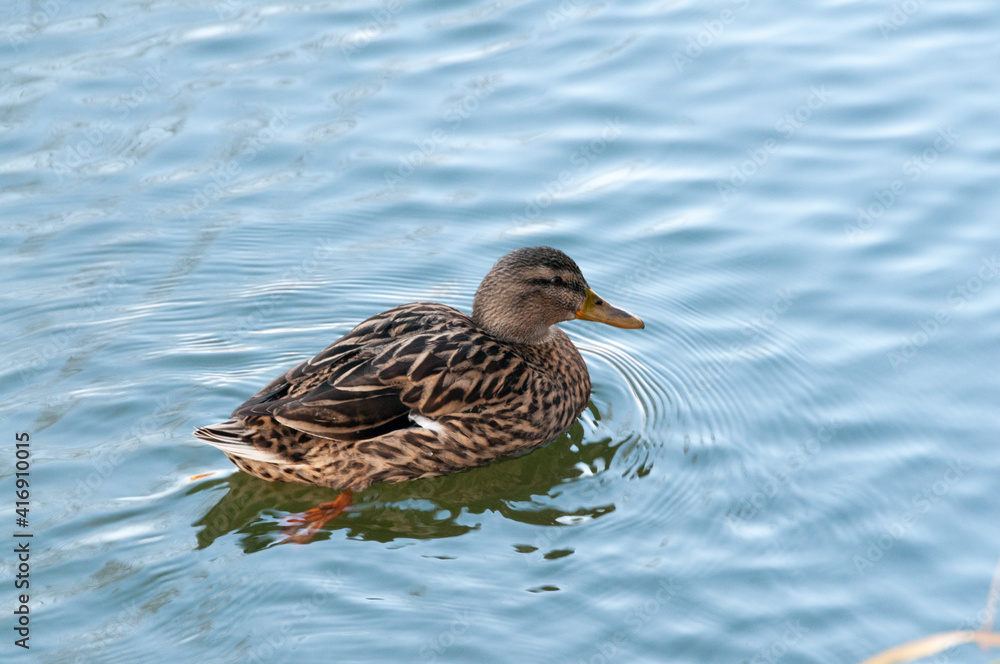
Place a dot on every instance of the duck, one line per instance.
(423, 389)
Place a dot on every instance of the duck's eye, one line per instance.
(555, 281)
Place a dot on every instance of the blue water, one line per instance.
(795, 461)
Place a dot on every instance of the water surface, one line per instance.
(796, 460)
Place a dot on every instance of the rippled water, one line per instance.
(796, 460)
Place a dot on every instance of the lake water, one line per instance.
(796, 460)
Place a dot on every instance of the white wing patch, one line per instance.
(427, 423)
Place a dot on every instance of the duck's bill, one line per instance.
(596, 309)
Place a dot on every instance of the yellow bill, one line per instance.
(596, 309)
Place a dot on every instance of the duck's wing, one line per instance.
(422, 359)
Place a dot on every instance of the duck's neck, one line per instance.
(506, 321)
(512, 330)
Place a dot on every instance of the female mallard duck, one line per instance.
(424, 390)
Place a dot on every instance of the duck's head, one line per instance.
(531, 289)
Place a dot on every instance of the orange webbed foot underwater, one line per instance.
(301, 527)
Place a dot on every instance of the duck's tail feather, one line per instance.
(230, 437)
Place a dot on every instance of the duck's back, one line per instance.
(421, 388)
